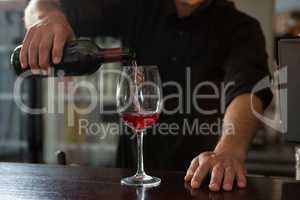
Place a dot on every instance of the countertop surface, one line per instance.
(28, 181)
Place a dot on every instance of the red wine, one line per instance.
(140, 122)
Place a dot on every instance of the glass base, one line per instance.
(141, 181)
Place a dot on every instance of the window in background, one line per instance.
(288, 18)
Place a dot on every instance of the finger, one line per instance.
(58, 47)
(228, 179)
(200, 174)
(44, 51)
(241, 177)
(216, 178)
(191, 170)
(33, 53)
(24, 49)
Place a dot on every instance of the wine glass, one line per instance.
(139, 103)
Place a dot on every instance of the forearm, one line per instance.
(38, 9)
(240, 126)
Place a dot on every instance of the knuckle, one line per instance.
(194, 160)
(206, 160)
(202, 162)
(43, 26)
(228, 166)
(26, 41)
(32, 29)
(229, 170)
(219, 167)
(190, 172)
(59, 28)
(38, 29)
(203, 165)
(45, 31)
(24, 49)
(227, 163)
(201, 157)
(209, 159)
(205, 154)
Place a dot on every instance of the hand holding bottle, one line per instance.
(80, 57)
(47, 36)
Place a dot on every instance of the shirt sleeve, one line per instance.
(247, 63)
(94, 17)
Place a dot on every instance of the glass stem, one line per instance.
(140, 168)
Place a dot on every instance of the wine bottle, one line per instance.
(80, 57)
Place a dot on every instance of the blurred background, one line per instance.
(35, 139)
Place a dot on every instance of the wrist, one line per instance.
(236, 150)
(241, 156)
(44, 17)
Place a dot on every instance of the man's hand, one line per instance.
(224, 169)
(226, 163)
(47, 34)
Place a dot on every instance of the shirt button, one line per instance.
(174, 58)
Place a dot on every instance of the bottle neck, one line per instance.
(116, 55)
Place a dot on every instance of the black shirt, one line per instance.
(217, 44)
